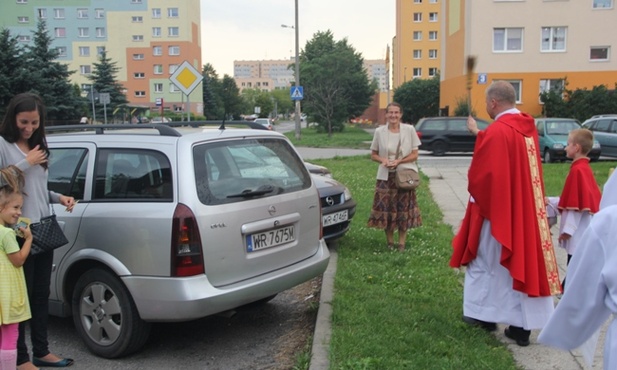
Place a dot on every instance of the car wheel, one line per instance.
(439, 148)
(547, 156)
(105, 315)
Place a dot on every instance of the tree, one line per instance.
(48, 78)
(283, 101)
(336, 85)
(230, 95)
(10, 66)
(419, 98)
(103, 78)
(213, 104)
(580, 103)
(258, 98)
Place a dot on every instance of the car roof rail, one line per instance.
(164, 130)
(604, 115)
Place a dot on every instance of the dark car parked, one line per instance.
(447, 134)
(604, 129)
(553, 137)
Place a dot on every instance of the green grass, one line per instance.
(396, 310)
(352, 137)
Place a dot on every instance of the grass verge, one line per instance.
(352, 137)
(403, 310)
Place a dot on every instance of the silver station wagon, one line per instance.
(175, 224)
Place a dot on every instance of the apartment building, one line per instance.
(416, 47)
(535, 45)
(148, 40)
(265, 75)
(376, 71)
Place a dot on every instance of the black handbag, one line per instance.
(47, 235)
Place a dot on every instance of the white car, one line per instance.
(265, 122)
(160, 120)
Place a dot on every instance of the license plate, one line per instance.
(334, 218)
(269, 239)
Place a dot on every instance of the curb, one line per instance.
(320, 350)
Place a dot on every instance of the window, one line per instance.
(174, 50)
(99, 13)
(517, 89)
(138, 37)
(173, 88)
(158, 87)
(432, 54)
(100, 32)
(138, 56)
(140, 93)
(135, 1)
(42, 13)
(137, 19)
(84, 51)
(432, 72)
(432, 35)
(139, 75)
(172, 68)
(23, 19)
(83, 31)
(59, 13)
(417, 35)
(157, 50)
(417, 72)
(158, 69)
(173, 31)
(548, 85)
(61, 51)
(156, 31)
(432, 17)
(602, 4)
(82, 13)
(507, 39)
(172, 12)
(554, 38)
(60, 32)
(417, 54)
(100, 50)
(432, 1)
(417, 1)
(23, 38)
(156, 12)
(22, 1)
(599, 53)
(85, 69)
(417, 17)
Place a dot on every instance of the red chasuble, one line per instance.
(505, 180)
(580, 192)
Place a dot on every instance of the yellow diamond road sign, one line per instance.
(186, 77)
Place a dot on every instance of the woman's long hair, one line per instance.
(25, 102)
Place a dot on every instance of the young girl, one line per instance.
(14, 305)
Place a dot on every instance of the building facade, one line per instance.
(377, 71)
(416, 47)
(264, 75)
(536, 45)
(147, 39)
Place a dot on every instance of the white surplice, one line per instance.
(488, 293)
(591, 296)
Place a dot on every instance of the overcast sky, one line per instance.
(251, 29)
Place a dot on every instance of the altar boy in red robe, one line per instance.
(580, 197)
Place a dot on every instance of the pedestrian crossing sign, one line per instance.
(297, 93)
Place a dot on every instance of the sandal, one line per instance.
(401, 247)
(391, 246)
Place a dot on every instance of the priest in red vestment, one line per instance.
(504, 240)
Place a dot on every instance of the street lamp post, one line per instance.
(297, 63)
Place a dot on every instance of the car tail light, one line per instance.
(419, 134)
(320, 220)
(186, 253)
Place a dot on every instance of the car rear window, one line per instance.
(437, 124)
(240, 170)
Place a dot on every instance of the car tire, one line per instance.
(439, 148)
(548, 158)
(105, 315)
